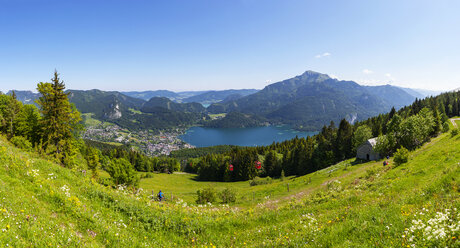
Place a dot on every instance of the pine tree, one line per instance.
(93, 161)
(343, 141)
(10, 109)
(58, 117)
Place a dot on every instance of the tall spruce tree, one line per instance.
(58, 117)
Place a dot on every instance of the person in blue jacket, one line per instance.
(160, 196)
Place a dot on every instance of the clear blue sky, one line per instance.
(221, 44)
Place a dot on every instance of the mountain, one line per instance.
(163, 102)
(394, 95)
(237, 120)
(420, 93)
(158, 113)
(113, 106)
(25, 96)
(104, 104)
(174, 96)
(310, 100)
(146, 95)
(218, 96)
(203, 97)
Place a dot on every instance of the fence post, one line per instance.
(287, 187)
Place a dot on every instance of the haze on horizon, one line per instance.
(213, 45)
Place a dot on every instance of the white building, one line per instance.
(366, 150)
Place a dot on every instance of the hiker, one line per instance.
(388, 156)
(385, 163)
(160, 196)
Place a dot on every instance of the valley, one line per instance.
(152, 121)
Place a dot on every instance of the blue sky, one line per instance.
(222, 44)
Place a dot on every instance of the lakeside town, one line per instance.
(149, 142)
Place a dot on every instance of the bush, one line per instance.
(227, 195)
(401, 156)
(147, 175)
(454, 132)
(21, 142)
(445, 127)
(260, 181)
(206, 195)
(122, 172)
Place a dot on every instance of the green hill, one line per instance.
(104, 104)
(214, 96)
(237, 120)
(162, 102)
(345, 205)
(115, 107)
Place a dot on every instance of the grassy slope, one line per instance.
(364, 205)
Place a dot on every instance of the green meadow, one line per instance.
(346, 205)
(89, 121)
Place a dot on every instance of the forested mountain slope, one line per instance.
(310, 100)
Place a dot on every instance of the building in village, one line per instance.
(366, 150)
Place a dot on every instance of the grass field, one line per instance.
(362, 205)
(89, 120)
(185, 185)
(217, 116)
(135, 111)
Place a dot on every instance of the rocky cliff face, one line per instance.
(113, 112)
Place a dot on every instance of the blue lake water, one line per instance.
(254, 136)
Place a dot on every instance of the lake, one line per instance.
(254, 136)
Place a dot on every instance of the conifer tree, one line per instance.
(58, 117)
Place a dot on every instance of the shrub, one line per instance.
(260, 181)
(401, 156)
(122, 172)
(147, 175)
(21, 142)
(445, 127)
(227, 195)
(206, 195)
(454, 132)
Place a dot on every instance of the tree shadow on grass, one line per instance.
(359, 161)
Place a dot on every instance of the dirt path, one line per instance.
(453, 121)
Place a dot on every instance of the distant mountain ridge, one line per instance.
(25, 96)
(203, 97)
(214, 96)
(312, 99)
(307, 101)
(174, 96)
(420, 93)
